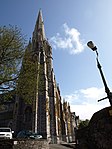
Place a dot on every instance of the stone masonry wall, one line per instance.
(24, 144)
(98, 134)
(31, 144)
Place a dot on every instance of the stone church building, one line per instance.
(37, 105)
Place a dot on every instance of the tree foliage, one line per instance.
(26, 84)
(12, 44)
(83, 123)
(31, 78)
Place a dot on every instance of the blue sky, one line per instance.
(69, 25)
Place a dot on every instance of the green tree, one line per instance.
(83, 123)
(12, 45)
(31, 77)
(27, 81)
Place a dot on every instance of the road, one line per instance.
(58, 146)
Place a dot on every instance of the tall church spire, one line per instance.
(39, 32)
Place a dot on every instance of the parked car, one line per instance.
(35, 136)
(28, 134)
(6, 133)
(24, 134)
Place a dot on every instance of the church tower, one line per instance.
(41, 51)
(36, 86)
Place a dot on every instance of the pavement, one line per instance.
(70, 145)
(63, 145)
(58, 146)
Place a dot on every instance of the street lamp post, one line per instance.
(91, 45)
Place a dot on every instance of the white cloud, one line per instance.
(84, 101)
(70, 40)
(86, 111)
(93, 93)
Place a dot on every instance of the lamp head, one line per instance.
(91, 45)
